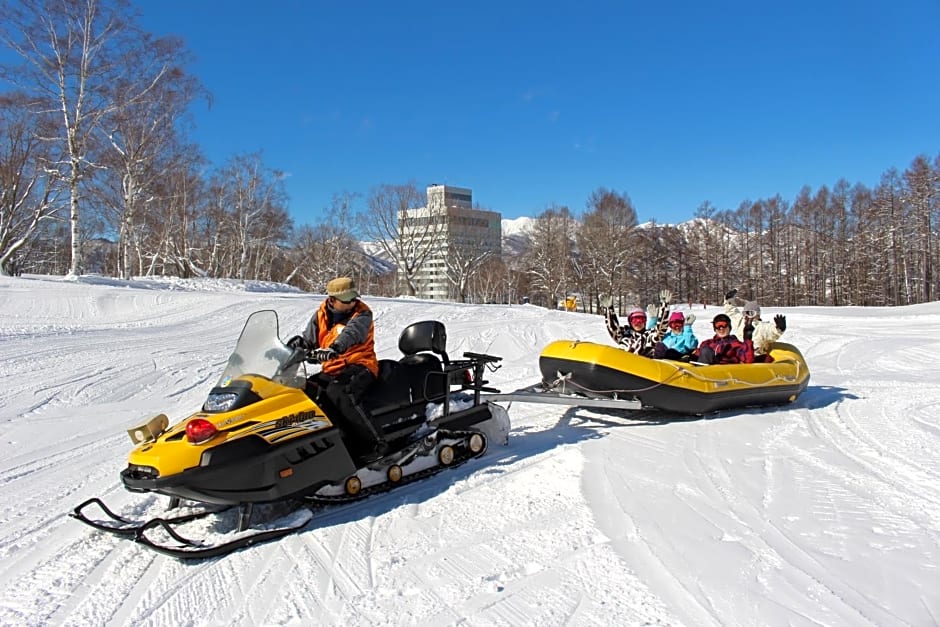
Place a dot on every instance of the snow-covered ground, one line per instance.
(825, 512)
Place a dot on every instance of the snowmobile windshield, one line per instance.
(260, 351)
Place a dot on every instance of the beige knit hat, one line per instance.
(343, 289)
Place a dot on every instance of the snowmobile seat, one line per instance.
(418, 377)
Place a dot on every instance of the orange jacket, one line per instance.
(353, 339)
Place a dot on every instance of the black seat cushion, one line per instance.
(414, 379)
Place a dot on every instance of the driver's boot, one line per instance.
(379, 447)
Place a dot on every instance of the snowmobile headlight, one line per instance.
(142, 472)
(220, 401)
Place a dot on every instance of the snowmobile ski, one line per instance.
(186, 548)
(119, 525)
(178, 545)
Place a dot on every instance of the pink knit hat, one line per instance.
(676, 317)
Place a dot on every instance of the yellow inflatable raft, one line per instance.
(603, 371)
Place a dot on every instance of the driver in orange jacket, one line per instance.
(341, 336)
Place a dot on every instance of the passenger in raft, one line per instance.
(724, 347)
(679, 341)
(763, 333)
(637, 338)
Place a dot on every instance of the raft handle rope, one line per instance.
(735, 380)
(565, 380)
(679, 372)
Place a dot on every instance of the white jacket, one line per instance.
(765, 332)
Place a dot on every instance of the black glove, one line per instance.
(297, 341)
(748, 331)
(731, 294)
(325, 354)
(781, 322)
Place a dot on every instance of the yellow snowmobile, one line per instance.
(260, 437)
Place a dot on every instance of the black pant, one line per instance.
(341, 396)
(660, 351)
(706, 355)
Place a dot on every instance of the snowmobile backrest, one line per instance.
(428, 335)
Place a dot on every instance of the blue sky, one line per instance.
(533, 104)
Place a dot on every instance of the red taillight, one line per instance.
(199, 430)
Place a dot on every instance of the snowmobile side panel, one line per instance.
(248, 470)
(282, 413)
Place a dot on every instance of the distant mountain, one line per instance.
(517, 235)
(517, 226)
(378, 258)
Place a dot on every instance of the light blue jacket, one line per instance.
(684, 342)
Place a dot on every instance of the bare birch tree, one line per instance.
(923, 195)
(548, 262)
(169, 239)
(703, 238)
(329, 249)
(29, 194)
(606, 240)
(463, 260)
(143, 135)
(406, 230)
(249, 214)
(71, 54)
(469, 244)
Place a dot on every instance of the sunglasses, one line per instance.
(720, 326)
(676, 325)
(333, 299)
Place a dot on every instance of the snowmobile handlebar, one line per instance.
(310, 356)
(300, 355)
